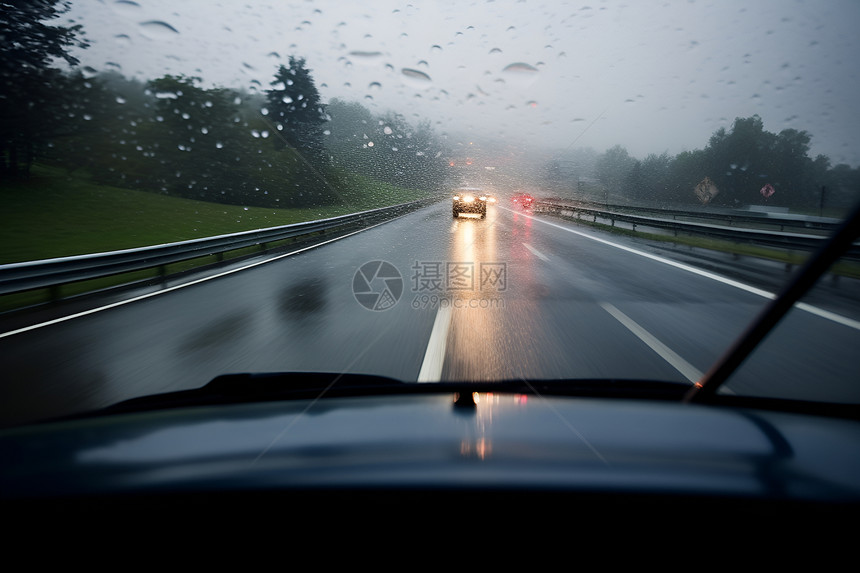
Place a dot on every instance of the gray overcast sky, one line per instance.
(655, 75)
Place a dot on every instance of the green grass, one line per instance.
(842, 268)
(53, 214)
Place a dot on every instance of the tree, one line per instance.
(295, 108)
(613, 168)
(30, 101)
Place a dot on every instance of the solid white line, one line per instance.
(826, 314)
(434, 357)
(689, 371)
(173, 288)
(535, 252)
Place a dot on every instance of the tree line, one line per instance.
(280, 147)
(739, 163)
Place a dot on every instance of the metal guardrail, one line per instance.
(18, 277)
(777, 239)
(782, 221)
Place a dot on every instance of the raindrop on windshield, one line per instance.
(416, 78)
(365, 55)
(520, 68)
(156, 29)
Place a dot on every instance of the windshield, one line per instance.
(588, 190)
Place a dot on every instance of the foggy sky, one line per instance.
(652, 76)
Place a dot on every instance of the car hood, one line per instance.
(433, 440)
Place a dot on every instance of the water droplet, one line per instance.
(416, 78)
(219, 145)
(387, 130)
(496, 51)
(520, 74)
(520, 68)
(120, 99)
(126, 8)
(287, 99)
(264, 111)
(374, 86)
(365, 55)
(158, 30)
(370, 144)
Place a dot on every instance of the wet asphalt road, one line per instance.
(512, 296)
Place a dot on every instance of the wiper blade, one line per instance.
(805, 279)
(239, 388)
(276, 386)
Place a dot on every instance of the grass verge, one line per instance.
(842, 268)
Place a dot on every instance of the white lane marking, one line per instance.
(535, 252)
(689, 371)
(843, 320)
(173, 288)
(434, 357)
(826, 314)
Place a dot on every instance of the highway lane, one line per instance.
(511, 296)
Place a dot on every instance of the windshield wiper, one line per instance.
(277, 386)
(805, 279)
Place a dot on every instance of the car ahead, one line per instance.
(470, 200)
(604, 451)
(523, 200)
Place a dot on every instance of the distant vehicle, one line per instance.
(524, 200)
(469, 200)
(490, 199)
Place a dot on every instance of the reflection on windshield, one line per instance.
(649, 182)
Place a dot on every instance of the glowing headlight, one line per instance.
(456, 197)
(468, 198)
